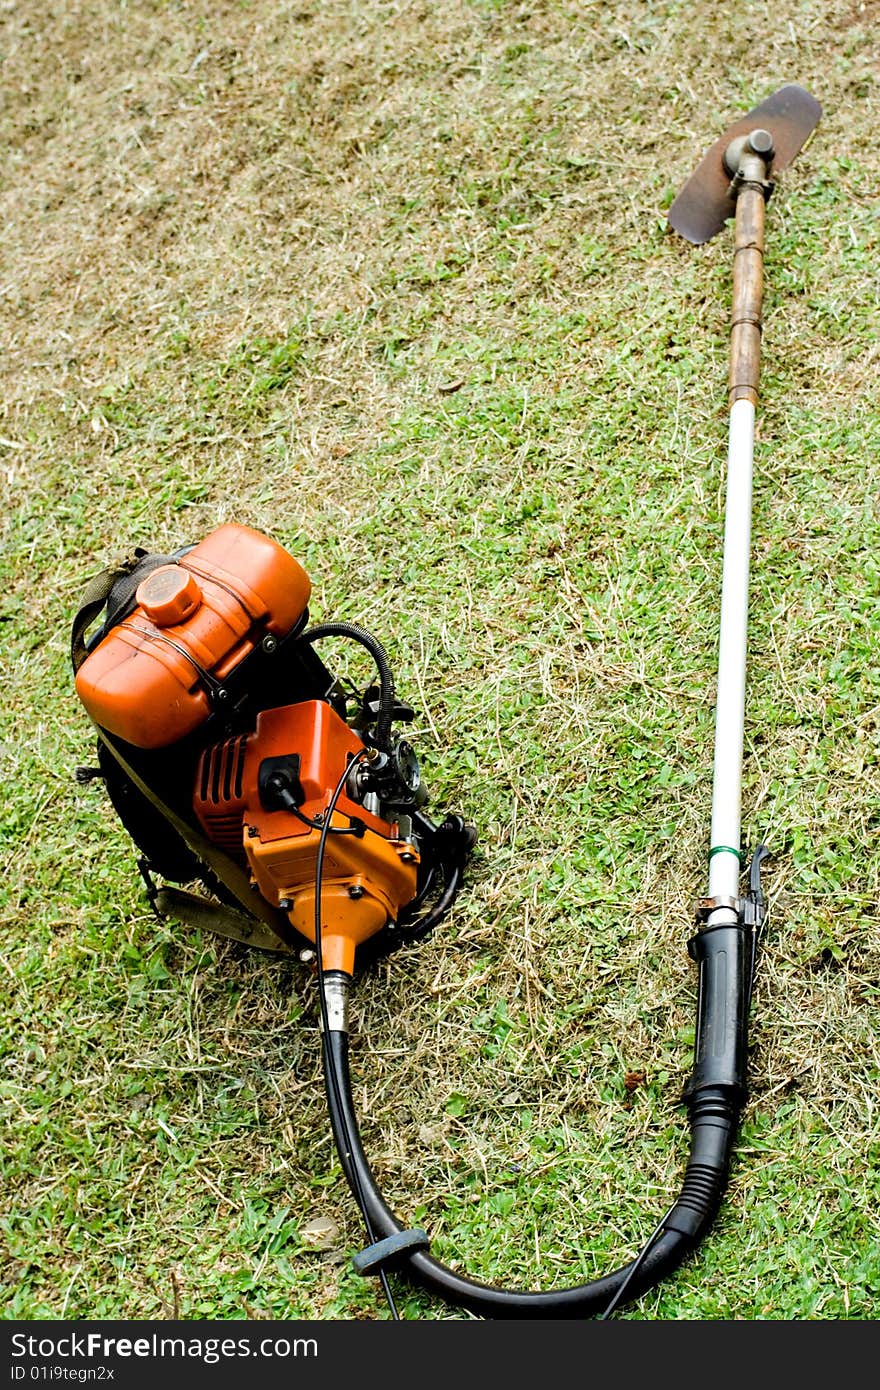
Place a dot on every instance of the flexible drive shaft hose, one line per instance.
(714, 1118)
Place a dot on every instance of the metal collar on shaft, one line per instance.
(335, 987)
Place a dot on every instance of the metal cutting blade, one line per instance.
(705, 202)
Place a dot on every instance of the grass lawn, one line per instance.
(393, 283)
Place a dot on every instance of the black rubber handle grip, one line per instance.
(723, 954)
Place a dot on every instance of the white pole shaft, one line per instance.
(724, 862)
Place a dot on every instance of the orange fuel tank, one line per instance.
(148, 681)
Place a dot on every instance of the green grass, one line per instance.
(403, 297)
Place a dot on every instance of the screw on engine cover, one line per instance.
(355, 890)
(253, 832)
(285, 904)
(269, 643)
(407, 857)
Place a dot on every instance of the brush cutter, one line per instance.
(238, 760)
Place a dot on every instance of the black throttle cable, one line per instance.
(343, 1140)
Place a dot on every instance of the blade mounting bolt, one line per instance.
(758, 143)
(761, 142)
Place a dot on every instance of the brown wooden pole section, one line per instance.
(748, 281)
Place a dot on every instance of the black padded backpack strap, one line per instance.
(114, 588)
(93, 601)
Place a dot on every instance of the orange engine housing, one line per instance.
(367, 878)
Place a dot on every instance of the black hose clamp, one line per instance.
(387, 1251)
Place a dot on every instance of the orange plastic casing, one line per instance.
(367, 880)
(204, 613)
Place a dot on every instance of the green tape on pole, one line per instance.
(726, 849)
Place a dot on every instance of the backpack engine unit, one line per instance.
(221, 739)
